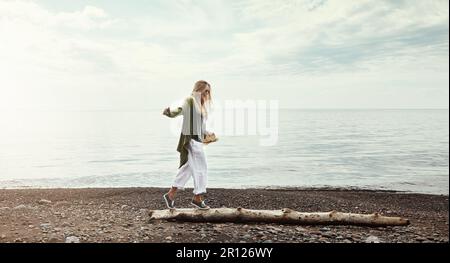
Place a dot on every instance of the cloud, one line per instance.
(25, 11)
(299, 43)
(342, 34)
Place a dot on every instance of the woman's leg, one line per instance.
(172, 192)
(180, 180)
(199, 169)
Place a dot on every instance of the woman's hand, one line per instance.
(210, 137)
(166, 111)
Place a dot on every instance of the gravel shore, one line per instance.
(121, 215)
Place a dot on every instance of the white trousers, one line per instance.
(195, 167)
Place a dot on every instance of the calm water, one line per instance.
(383, 149)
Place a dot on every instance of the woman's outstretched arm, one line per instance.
(172, 113)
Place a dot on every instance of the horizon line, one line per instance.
(155, 109)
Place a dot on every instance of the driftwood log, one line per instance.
(284, 216)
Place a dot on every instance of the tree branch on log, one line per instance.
(284, 216)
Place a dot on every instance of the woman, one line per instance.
(190, 146)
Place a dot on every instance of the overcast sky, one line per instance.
(134, 55)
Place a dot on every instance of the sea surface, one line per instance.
(405, 150)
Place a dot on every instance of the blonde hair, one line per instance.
(199, 88)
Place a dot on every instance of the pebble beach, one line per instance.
(121, 215)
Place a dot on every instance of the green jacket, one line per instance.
(192, 126)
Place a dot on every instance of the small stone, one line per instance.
(72, 239)
(3, 236)
(45, 225)
(20, 207)
(268, 241)
(54, 239)
(62, 203)
(4, 208)
(247, 236)
(168, 238)
(372, 239)
(327, 235)
(123, 207)
(44, 202)
(276, 229)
